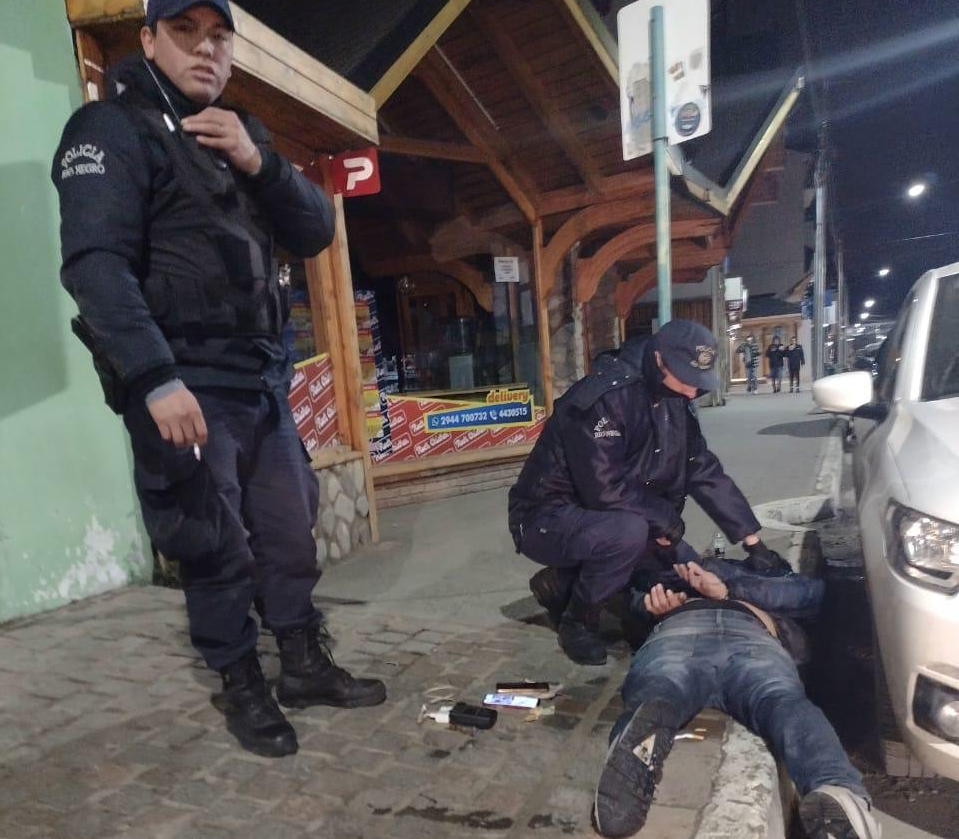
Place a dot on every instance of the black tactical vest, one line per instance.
(208, 266)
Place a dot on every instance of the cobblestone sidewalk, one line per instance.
(107, 731)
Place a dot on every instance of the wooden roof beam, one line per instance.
(432, 149)
(626, 184)
(589, 272)
(586, 221)
(421, 45)
(643, 279)
(537, 95)
(452, 95)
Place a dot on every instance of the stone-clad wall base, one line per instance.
(344, 513)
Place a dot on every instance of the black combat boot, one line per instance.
(579, 632)
(552, 588)
(309, 676)
(252, 715)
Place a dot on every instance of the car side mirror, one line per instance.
(844, 393)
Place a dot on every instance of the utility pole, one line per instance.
(840, 310)
(657, 52)
(819, 273)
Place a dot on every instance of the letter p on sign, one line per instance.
(356, 173)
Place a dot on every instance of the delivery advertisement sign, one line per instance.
(422, 427)
(688, 109)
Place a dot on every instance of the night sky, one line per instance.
(886, 79)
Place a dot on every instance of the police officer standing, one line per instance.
(602, 493)
(170, 205)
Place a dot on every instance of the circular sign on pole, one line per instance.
(688, 118)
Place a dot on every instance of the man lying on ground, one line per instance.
(715, 651)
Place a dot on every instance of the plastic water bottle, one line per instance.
(719, 545)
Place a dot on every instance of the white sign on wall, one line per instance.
(686, 24)
(506, 269)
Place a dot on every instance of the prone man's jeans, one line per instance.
(727, 660)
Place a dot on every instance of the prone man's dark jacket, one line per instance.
(619, 440)
(168, 250)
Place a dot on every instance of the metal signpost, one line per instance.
(664, 98)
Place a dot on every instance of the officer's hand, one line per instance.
(222, 130)
(179, 418)
(703, 581)
(764, 560)
(659, 600)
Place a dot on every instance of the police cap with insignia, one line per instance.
(163, 9)
(688, 350)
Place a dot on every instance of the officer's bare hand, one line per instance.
(660, 601)
(703, 581)
(179, 418)
(222, 130)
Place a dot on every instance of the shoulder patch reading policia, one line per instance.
(704, 357)
(82, 159)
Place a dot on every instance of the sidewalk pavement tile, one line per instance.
(122, 741)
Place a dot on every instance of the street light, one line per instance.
(883, 272)
(916, 189)
(864, 316)
(869, 303)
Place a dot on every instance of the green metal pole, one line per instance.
(657, 60)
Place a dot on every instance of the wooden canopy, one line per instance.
(516, 102)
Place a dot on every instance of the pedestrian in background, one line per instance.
(796, 359)
(170, 203)
(601, 495)
(750, 353)
(776, 355)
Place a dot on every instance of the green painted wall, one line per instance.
(69, 525)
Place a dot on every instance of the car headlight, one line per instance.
(923, 549)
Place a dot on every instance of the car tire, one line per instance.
(897, 760)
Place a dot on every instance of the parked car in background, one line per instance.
(906, 468)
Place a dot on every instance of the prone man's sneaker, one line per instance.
(831, 812)
(633, 768)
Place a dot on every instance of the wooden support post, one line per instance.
(330, 274)
(514, 327)
(542, 317)
(326, 331)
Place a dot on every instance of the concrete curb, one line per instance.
(747, 799)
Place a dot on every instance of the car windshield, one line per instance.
(941, 377)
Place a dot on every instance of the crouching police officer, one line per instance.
(602, 493)
(170, 203)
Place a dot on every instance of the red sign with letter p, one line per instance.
(356, 173)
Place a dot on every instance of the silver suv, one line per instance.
(906, 467)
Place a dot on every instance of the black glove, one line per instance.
(764, 560)
(673, 529)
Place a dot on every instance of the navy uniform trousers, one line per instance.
(607, 546)
(239, 520)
